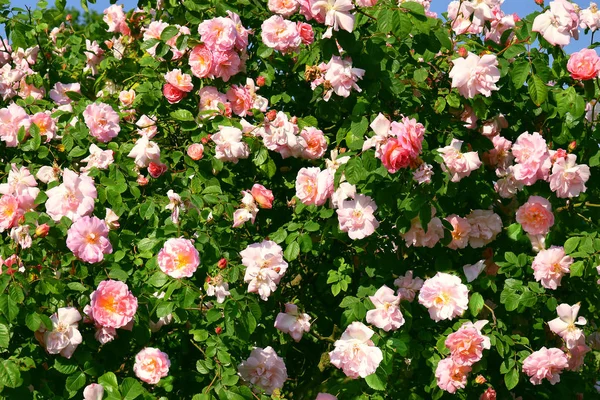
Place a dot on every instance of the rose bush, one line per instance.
(298, 199)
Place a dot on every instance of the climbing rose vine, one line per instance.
(301, 199)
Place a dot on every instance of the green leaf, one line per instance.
(292, 250)
(158, 279)
(515, 231)
(568, 101)
(577, 269)
(109, 382)
(65, 366)
(514, 51)
(528, 299)
(182, 115)
(538, 91)
(476, 303)
(75, 381)
(131, 389)
(420, 75)
(511, 379)
(571, 244)
(10, 375)
(33, 321)
(4, 336)
(378, 380)
(519, 72)
(168, 33)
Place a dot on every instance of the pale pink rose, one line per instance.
(262, 196)
(306, 33)
(545, 364)
(48, 174)
(342, 76)
(489, 394)
(151, 364)
(173, 94)
(458, 164)
(112, 305)
(180, 80)
(356, 217)
(558, 24)
(226, 64)
(87, 238)
(499, 24)
(240, 99)
(416, 235)
(485, 226)
(45, 123)
(217, 287)
(474, 74)
(281, 135)
(247, 212)
(93, 391)
(293, 322)
(280, 34)
(195, 151)
(334, 162)
(451, 376)
(469, 117)
(218, 34)
(408, 286)
(13, 118)
(116, 20)
(144, 152)
(325, 396)
(466, 345)
(550, 265)
(175, 205)
(576, 356)
(460, 233)
(58, 92)
(285, 8)
(127, 97)
(74, 198)
(472, 271)
(20, 235)
(112, 220)
(445, 296)
(568, 178)
(536, 216)
(343, 192)
(23, 186)
(178, 258)
(103, 334)
(210, 98)
(500, 156)
(26, 90)
(507, 186)
(355, 353)
(316, 145)
(584, 64)
(336, 13)
(564, 325)
(366, 3)
(102, 121)
(423, 174)
(387, 314)
(590, 17)
(98, 158)
(230, 146)
(201, 61)
(94, 55)
(532, 157)
(64, 337)
(147, 126)
(264, 369)
(241, 41)
(314, 186)
(153, 31)
(264, 267)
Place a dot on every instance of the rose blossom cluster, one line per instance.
(293, 322)
(264, 267)
(337, 76)
(565, 327)
(258, 196)
(589, 18)
(18, 197)
(545, 364)
(155, 29)
(264, 369)
(397, 144)
(471, 16)
(73, 198)
(284, 35)
(445, 296)
(178, 86)
(355, 353)
(558, 24)
(112, 306)
(15, 66)
(223, 49)
(466, 347)
(474, 74)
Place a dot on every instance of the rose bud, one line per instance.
(572, 146)
(262, 195)
(222, 264)
(172, 94)
(271, 114)
(112, 219)
(195, 151)
(206, 139)
(260, 81)
(142, 180)
(218, 330)
(156, 170)
(306, 33)
(462, 52)
(480, 379)
(42, 230)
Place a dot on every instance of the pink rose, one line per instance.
(64, 337)
(387, 314)
(475, 74)
(151, 364)
(356, 217)
(316, 145)
(485, 226)
(226, 64)
(408, 286)
(264, 369)
(230, 146)
(45, 123)
(451, 376)
(284, 8)
(584, 64)
(156, 169)
(558, 24)
(264, 267)
(335, 13)
(195, 151)
(217, 287)
(10, 212)
(93, 391)
(355, 353)
(416, 235)
(564, 325)
(102, 121)
(314, 186)
(74, 198)
(98, 158)
(306, 32)
(342, 76)
(293, 322)
(325, 396)
(179, 80)
(280, 34)
(144, 152)
(445, 296)
(112, 305)
(262, 195)
(568, 178)
(466, 345)
(458, 164)
(395, 156)
(218, 34)
(240, 99)
(87, 238)
(201, 61)
(550, 265)
(545, 364)
(126, 97)
(489, 394)
(172, 94)
(12, 118)
(178, 258)
(460, 233)
(536, 216)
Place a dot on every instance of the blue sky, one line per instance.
(521, 7)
